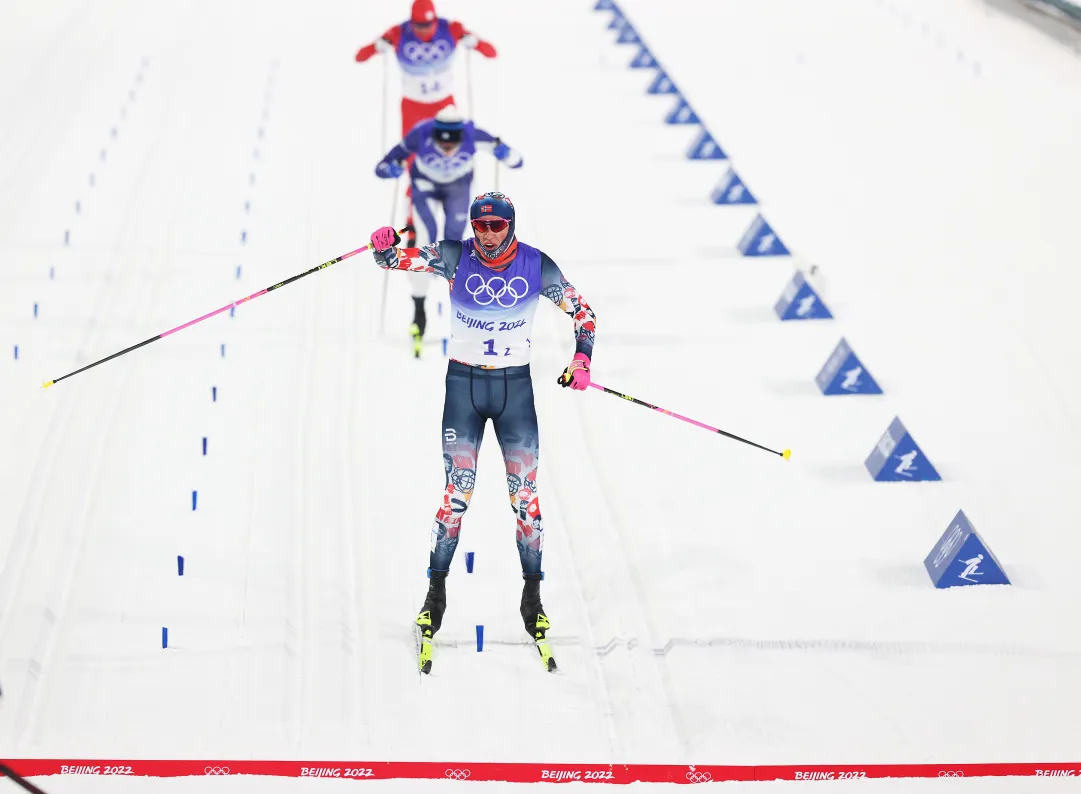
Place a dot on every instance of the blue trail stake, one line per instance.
(232, 311)
(78, 207)
(91, 180)
(247, 206)
(444, 345)
(213, 394)
(52, 272)
(67, 237)
(223, 349)
(480, 638)
(194, 499)
(16, 352)
(164, 637)
(469, 562)
(238, 271)
(204, 445)
(243, 236)
(179, 565)
(35, 310)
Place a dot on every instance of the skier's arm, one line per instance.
(486, 142)
(470, 41)
(390, 166)
(385, 43)
(563, 294)
(440, 258)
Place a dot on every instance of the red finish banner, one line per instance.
(525, 773)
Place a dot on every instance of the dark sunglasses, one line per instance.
(496, 225)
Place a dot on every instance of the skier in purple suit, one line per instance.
(495, 283)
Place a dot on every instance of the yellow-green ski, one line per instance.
(423, 630)
(543, 648)
(418, 344)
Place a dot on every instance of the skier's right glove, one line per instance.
(380, 45)
(387, 170)
(384, 239)
(384, 247)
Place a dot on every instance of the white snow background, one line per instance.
(710, 603)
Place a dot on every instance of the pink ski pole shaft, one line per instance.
(251, 297)
(786, 454)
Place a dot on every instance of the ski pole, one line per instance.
(19, 779)
(253, 296)
(497, 142)
(786, 454)
(386, 273)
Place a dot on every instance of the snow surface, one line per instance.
(710, 603)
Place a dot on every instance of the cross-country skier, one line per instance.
(495, 283)
(441, 172)
(425, 46)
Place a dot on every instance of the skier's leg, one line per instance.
(463, 429)
(456, 198)
(516, 430)
(424, 199)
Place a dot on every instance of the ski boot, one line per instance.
(420, 323)
(430, 618)
(536, 622)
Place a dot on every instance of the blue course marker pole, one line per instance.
(480, 638)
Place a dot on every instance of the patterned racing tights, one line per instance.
(475, 395)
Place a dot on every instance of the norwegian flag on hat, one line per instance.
(423, 11)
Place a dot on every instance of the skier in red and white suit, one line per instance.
(425, 47)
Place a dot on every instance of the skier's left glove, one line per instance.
(386, 170)
(576, 375)
(501, 151)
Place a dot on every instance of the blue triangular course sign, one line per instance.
(962, 558)
(682, 113)
(627, 35)
(844, 373)
(705, 148)
(761, 240)
(662, 84)
(897, 458)
(731, 190)
(618, 21)
(799, 301)
(644, 60)
(604, 5)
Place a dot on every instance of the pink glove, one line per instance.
(577, 374)
(384, 238)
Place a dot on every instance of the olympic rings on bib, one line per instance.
(425, 51)
(496, 289)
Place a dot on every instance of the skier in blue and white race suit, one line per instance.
(495, 285)
(441, 174)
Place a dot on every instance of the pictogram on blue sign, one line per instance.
(898, 458)
(705, 148)
(844, 373)
(961, 558)
(761, 240)
(731, 190)
(662, 84)
(799, 301)
(644, 60)
(682, 113)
